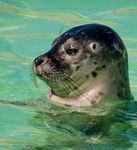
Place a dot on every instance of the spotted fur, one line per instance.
(85, 64)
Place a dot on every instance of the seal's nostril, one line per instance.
(38, 61)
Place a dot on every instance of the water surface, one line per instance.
(27, 28)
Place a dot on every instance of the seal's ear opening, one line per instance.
(95, 47)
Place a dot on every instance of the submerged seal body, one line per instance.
(84, 65)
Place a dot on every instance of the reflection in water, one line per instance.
(27, 36)
(10, 57)
(105, 125)
(123, 11)
(130, 40)
(126, 10)
(68, 18)
(11, 28)
(109, 124)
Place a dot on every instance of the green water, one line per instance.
(27, 28)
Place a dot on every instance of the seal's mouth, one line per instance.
(59, 82)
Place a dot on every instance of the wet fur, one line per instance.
(101, 57)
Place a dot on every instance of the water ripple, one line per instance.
(67, 17)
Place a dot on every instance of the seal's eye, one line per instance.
(72, 51)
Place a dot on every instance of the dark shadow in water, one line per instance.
(103, 126)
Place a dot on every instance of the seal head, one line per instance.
(85, 64)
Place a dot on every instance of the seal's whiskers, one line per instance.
(84, 65)
(33, 76)
(68, 86)
(78, 90)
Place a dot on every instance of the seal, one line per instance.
(84, 65)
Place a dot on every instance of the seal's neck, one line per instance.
(90, 97)
(111, 83)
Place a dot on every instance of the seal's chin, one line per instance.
(80, 101)
(52, 92)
